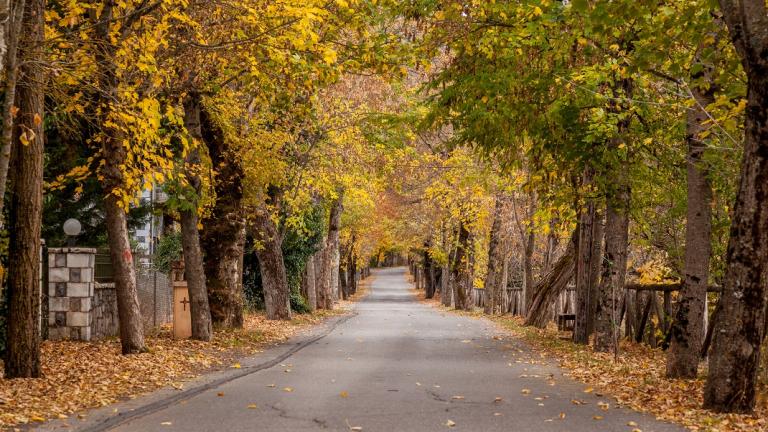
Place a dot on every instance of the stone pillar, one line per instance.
(70, 293)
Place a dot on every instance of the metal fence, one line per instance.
(154, 288)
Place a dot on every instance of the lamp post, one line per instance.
(72, 229)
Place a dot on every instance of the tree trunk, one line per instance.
(552, 285)
(429, 274)
(321, 273)
(114, 156)
(459, 271)
(194, 272)
(614, 262)
(735, 356)
(587, 259)
(353, 273)
(23, 331)
(277, 300)
(331, 254)
(14, 14)
(223, 238)
(528, 288)
(687, 332)
(308, 284)
(495, 259)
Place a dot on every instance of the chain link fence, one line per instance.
(154, 288)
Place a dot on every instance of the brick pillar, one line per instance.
(70, 293)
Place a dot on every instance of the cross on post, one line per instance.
(185, 302)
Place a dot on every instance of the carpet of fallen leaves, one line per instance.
(82, 375)
(637, 380)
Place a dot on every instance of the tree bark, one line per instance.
(429, 274)
(14, 14)
(223, 236)
(23, 331)
(194, 271)
(614, 262)
(528, 284)
(552, 285)
(587, 259)
(114, 156)
(735, 356)
(459, 271)
(308, 283)
(495, 259)
(277, 300)
(330, 274)
(687, 332)
(322, 277)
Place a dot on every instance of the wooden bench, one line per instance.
(566, 322)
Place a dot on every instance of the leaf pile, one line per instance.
(81, 375)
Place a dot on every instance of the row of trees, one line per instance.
(620, 136)
(254, 118)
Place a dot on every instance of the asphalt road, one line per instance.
(400, 365)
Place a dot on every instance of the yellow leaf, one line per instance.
(344, 394)
(37, 120)
(252, 406)
(236, 366)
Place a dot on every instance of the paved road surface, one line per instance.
(400, 366)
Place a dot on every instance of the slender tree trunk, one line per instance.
(353, 273)
(223, 236)
(528, 283)
(277, 299)
(687, 333)
(23, 331)
(735, 355)
(114, 156)
(459, 270)
(495, 259)
(190, 236)
(429, 274)
(13, 12)
(552, 285)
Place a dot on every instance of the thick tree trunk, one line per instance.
(587, 259)
(446, 291)
(552, 285)
(190, 236)
(223, 238)
(495, 260)
(735, 355)
(614, 262)
(14, 14)
(459, 271)
(277, 299)
(687, 332)
(23, 331)
(611, 291)
(308, 284)
(322, 276)
(114, 156)
(331, 255)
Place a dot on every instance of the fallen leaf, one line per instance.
(597, 417)
(288, 389)
(589, 390)
(525, 391)
(497, 399)
(344, 394)
(252, 406)
(236, 366)
(457, 397)
(450, 423)
(220, 394)
(166, 423)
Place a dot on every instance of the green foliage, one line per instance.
(168, 251)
